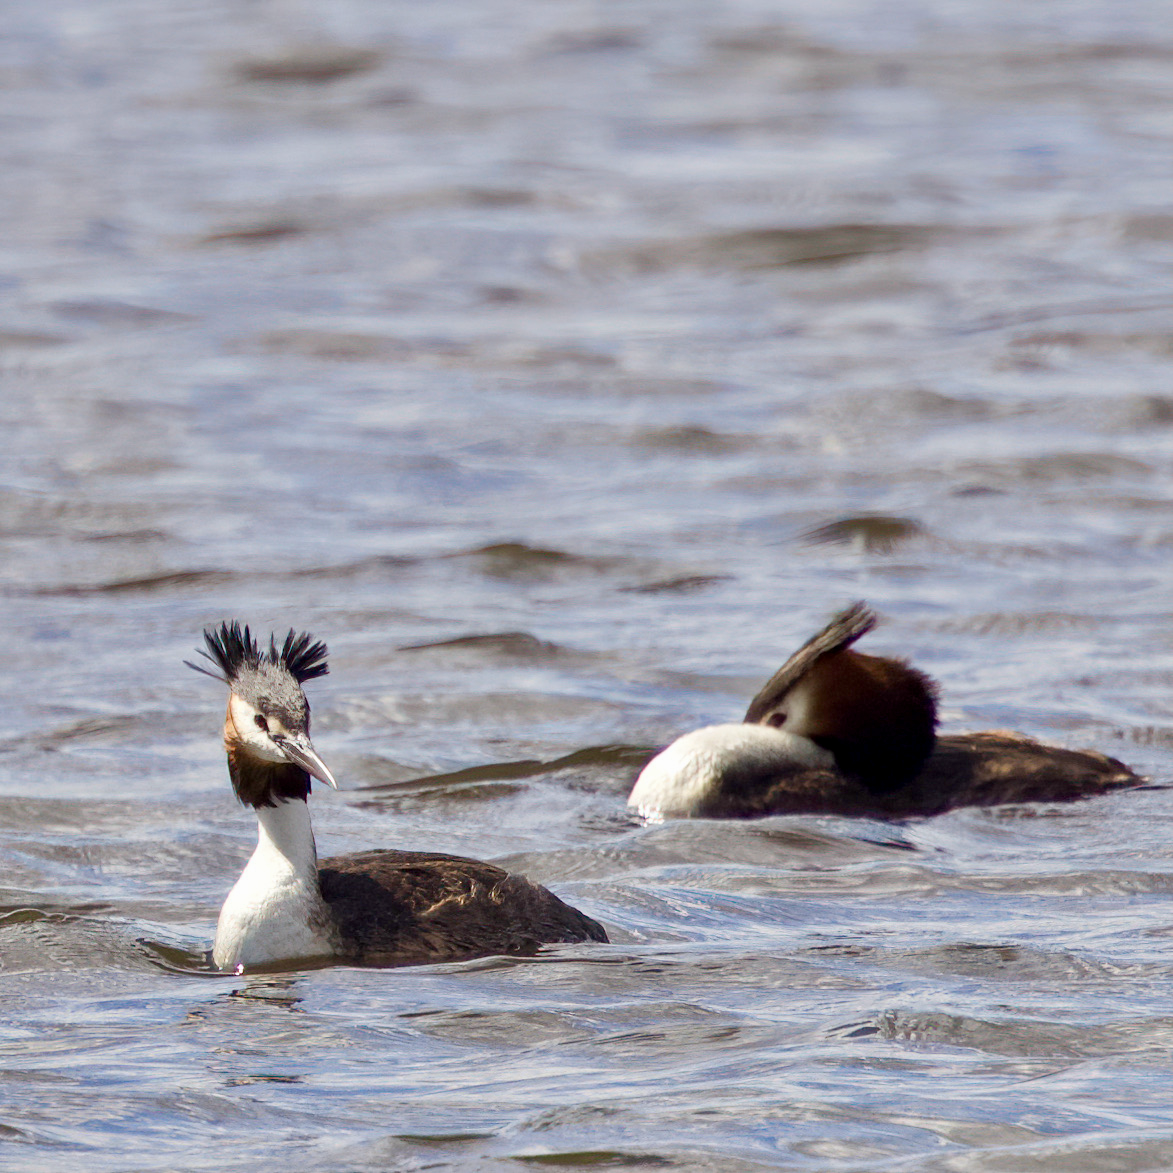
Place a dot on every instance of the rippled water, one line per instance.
(564, 366)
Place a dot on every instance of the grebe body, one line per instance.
(836, 731)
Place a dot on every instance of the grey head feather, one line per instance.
(843, 630)
(270, 680)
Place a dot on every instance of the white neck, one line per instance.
(275, 910)
(698, 767)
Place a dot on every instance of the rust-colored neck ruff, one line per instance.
(257, 782)
(877, 716)
(265, 783)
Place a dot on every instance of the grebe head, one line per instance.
(869, 718)
(876, 715)
(267, 727)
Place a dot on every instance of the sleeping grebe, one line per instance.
(838, 732)
(371, 908)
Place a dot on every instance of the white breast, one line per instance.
(695, 768)
(275, 911)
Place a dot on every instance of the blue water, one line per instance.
(564, 367)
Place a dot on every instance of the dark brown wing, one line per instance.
(801, 790)
(408, 907)
(840, 633)
(966, 769)
(988, 769)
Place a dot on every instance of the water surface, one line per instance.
(564, 368)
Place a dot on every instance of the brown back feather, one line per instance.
(407, 907)
(992, 768)
(965, 769)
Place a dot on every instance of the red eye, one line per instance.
(776, 719)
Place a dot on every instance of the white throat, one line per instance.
(698, 767)
(275, 910)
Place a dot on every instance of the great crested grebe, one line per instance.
(835, 731)
(373, 907)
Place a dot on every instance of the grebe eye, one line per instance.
(261, 723)
(776, 719)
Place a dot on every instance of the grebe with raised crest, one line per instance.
(370, 908)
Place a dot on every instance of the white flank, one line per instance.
(680, 779)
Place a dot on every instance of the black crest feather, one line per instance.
(843, 630)
(303, 656)
(232, 649)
